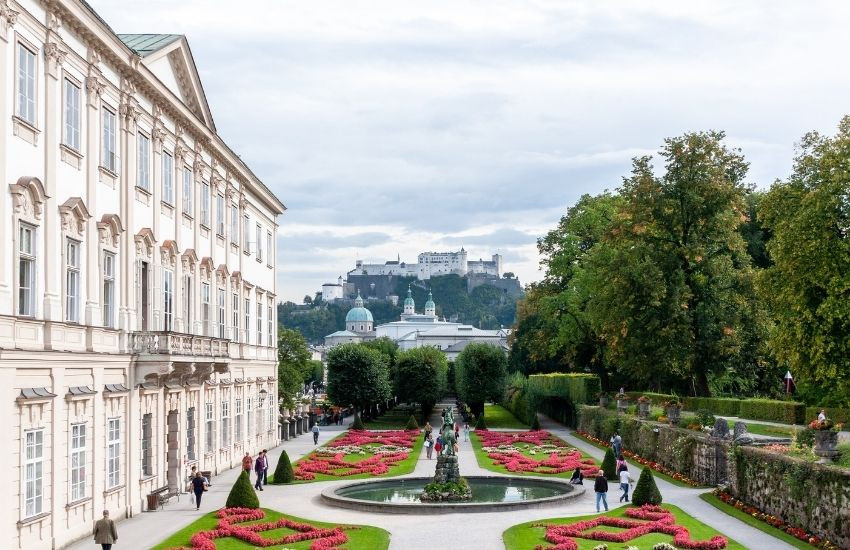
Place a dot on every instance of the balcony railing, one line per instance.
(176, 343)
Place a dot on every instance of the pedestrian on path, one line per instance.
(466, 431)
(247, 461)
(621, 464)
(625, 480)
(428, 429)
(429, 446)
(601, 488)
(617, 444)
(199, 485)
(315, 434)
(259, 469)
(438, 446)
(265, 467)
(457, 431)
(105, 533)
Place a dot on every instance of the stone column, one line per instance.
(129, 115)
(292, 422)
(8, 17)
(94, 88)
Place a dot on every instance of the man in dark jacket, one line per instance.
(105, 533)
(260, 469)
(601, 488)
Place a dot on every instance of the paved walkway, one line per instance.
(469, 531)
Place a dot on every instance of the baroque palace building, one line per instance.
(137, 276)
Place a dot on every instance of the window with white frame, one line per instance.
(109, 157)
(77, 466)
(225, 424)
(113, 452)
(26, 270)
(271, 419)
(237, 425)
(270, 321)
(205, 308)
(269, 248)
(246, 234)
(72, 281)
(205, 204)
(247, 309)
(108, 289)
(190, 433)
(259, 243)
(219, 215)
(71, 115)
(222, 297)
(234, 224)
(186, 293)
(210, 418)
(33, 472)
(147, 445)
(235, 315)
(168, 299)
(187, 190)
(25, 104)
(249, 407)
(167, 178)
(143, 161)
(259, 323)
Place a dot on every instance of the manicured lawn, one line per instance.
(395, 419)
(361, 538)
(399, 468)
(753, 522)
(487, 463)
(496, 416)
(525, 536)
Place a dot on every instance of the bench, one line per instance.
(160, 496)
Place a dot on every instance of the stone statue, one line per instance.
(721, 429)
(448, 418)
(742, 436)
(448, 432)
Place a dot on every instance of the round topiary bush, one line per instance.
(646, 492)
(609, 465)
(242, 495)
(411, 423)
(480, 424)
(357, 424)
(283, 471)
(535, 422)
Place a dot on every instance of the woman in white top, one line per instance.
(625, 479)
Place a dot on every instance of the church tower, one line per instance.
(409, 304)
(430, 306)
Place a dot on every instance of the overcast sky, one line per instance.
(392, 127)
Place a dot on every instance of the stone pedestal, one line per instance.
(299, 426)
(284, 428)
(447, 469)
(291, 428)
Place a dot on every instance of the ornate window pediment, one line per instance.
(74, 216)
(109, 228)
(145, 242)
(236, 280)
(168, 253)
(189, 259)
(207, 267)
(28, 197)
(222, 274)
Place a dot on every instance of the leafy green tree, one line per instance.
(293, 363)
(807, 286)
(480, 375)
(673, 288)
(357, 376)
(421, 377)
(242, 494)
(646, 491)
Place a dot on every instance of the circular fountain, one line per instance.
(489, 494)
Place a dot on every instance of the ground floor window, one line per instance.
(78, 462)
(190, 433)
(147, 450)
(210, 419)
(33, 472)
(113, 452)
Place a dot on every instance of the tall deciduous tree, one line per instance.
(480, 375)
(357, 376)
(293, 366)
(421, 377)
(808, 285)
(677, 281)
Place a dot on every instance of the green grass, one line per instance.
(394, 419)
(753, 522)
(362, 538)
(399, 468)
(525, 535)
(634, 464)
(843, 459)
(497, 416)
(487, 463)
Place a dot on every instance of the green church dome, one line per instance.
(358, 314)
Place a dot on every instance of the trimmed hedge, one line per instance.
(242, 494)
(834, 414)
(283, 471)
(721, 406)
(579, 388)
(609, 465)
(656, 399)
(646, 491)
(788, 412)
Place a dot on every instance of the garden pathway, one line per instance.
(469, 531)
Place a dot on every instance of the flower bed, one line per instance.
(381, 449)
(515, 451)
(774, 521)
(644, 520)
(651, 464)
(227, 526)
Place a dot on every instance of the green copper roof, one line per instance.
(430, 303)
(409, 300)
(146, 44)
(358, 313)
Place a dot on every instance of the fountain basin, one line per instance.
(489, 494)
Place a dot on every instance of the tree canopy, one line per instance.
(421, 377)
(358, 376)
(480, 375)
(294, 366)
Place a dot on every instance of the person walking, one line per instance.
(625, 480)
(617, 444)
(601, 488)
(621, 464)
(428, 429)
(259, 469)
(104, 532)
(457, 431)
(315, 434)
(438, 446)
(265, 467)
(247, 462)
(466, 431)
(199, 485)
(429, 446)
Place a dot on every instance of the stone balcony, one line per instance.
(175, 343)
(171, 358)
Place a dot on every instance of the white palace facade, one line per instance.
(137, 276)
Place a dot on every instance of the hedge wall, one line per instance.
(814, 497)
(578, 388)
(657, 399)
(789, 412)
(721, 406)
(835, 414)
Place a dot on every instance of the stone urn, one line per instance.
(826, 444)
(603, 401)
(673, 414)
(643, 409)
(622, 404)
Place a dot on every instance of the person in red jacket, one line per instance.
(247, 462)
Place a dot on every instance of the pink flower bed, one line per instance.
(657, 520)
(379, 464)
(532, 437)
(557, 462)
(323, 538)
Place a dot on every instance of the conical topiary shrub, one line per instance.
(480, 424)
(646, 492)
(357, 424)
(411, 423)
(283, 471)
(535, 423)
(242, 495)
(609, 465)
